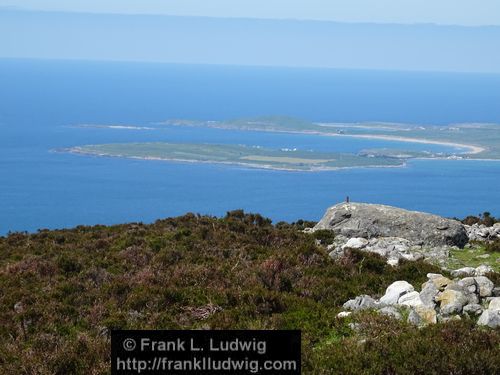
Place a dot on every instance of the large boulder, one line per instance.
(365, 220)
(484, 285)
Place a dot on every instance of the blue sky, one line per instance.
(140, 31)
(458, 12)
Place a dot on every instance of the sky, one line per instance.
(272, 33)
(457, 12)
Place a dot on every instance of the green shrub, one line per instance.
(72, 286)
(493, 247)
(324, 236)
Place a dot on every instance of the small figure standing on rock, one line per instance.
(347, 199)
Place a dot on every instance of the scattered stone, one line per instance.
(431, 305)
(18, 307)
(395, 291)
(344, 314)
(362, 302)
(393, 262)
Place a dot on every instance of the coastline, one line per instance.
(473, 149)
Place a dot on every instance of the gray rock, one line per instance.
(483, 269)
(343, 314)
(432, 276)
(482, 233)
(395, 291)
(356, 243)
(485, 286)
(496, 292)
(451, 302)
(391, 311)
(414, 318)
(473, 309)
(410, 299)
(392, 248)
(19, 307)
(362, 302)
(371, 220)
(428, 293)
(426, 314)
(463, 272)
(469, 284)
(468, 291)
(494, 304)
(490, 318)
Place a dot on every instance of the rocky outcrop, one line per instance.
(391, 232)
(482, 233)
(440, 299)
(369, 221)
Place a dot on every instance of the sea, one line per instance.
(42, 102)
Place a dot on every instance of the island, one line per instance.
(255, 157)
(462, 141)
(472, 140)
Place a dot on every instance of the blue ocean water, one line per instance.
(41, 100)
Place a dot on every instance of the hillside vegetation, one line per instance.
(62, 291)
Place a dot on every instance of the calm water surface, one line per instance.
(41, 100)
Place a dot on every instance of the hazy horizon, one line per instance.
(248, 42)
(444, 12)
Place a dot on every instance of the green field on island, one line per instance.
(236, 154)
